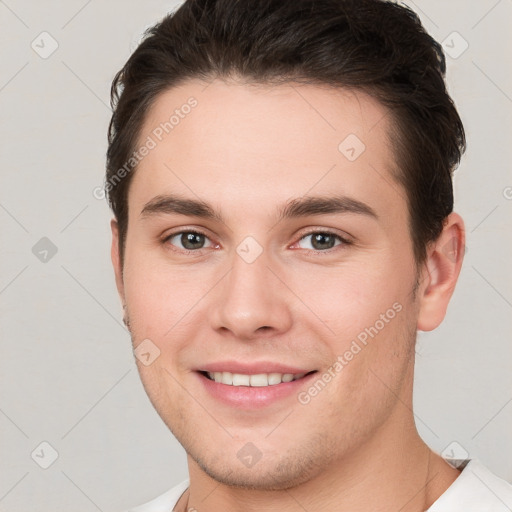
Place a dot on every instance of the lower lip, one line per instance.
(247, 397)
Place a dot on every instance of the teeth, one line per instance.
(257, 380)
(226, 378)
(274, 378)
(241, 380)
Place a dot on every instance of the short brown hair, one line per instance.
(375, 46)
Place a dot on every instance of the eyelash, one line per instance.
(343, 241)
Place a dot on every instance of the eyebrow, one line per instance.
(300, 207)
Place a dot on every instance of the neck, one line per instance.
(394, 470)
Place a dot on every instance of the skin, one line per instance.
(247, 151)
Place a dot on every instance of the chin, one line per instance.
(276, 470)
(283, 475)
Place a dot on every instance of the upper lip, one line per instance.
(252, 368)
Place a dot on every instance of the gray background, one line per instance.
(66, 367)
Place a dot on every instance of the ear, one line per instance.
(116, 259)
(440, 273)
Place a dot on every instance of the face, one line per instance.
(268, 237)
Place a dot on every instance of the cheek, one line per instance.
(371, 319)
(372, 364)
(156, 295)
(167, 396)
(355, 296)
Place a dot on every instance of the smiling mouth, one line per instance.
(255, 380)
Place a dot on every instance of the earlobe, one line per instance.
(440, 273)
(116, 259)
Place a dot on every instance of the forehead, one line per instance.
(236, 142)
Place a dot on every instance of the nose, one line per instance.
(251, 302)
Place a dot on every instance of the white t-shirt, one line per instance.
(476, 489)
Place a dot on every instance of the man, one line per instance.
(280, 176)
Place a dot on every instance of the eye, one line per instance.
(189, 240)
(320, 241)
